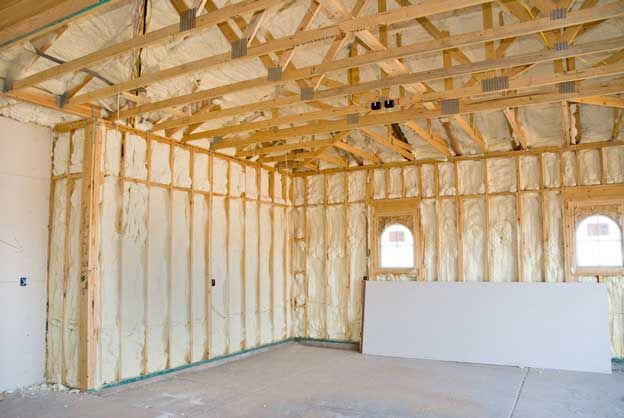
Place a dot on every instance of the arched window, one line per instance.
(598, 242)
(397, 247)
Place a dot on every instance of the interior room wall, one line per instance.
(173, 220)
(519, 197)
(24, 192)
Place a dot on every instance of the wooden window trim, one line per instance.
(580, 203)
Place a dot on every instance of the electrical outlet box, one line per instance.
(22, 281)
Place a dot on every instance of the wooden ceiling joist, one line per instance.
(358, 152)
(607, 101)
(150, 38)
(354, 25)
(545, 96)
(519, 29)
(365, 87)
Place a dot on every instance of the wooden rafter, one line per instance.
(466, 39)
(512, 117)
(426, 75)
(150, 38)
(542, 97)
(602, 101)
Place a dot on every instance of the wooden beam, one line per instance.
(357, 151)
(23, 20)
(92, 178)
(471, 131)
(425, 75)
(354, 25)
(284, 147)
(388, 143)
(434, 140)
(150, 38)
(402, 116)
(601, 101)
(43, 98)
(525, 28)
(512, 118)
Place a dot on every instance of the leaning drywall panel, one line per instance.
(502, 323)
(473, 239)
(531, 230)
(159, 230)
(132, 318)
(179, 321)
(315, 265)
(337, 276)
(235, 287)
(218, 263)
(502, 239)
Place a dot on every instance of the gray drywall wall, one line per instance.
(545, 325)
(24, 195)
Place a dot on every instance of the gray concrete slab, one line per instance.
(302, 381)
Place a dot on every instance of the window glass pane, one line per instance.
(397, 247)
(598, 242)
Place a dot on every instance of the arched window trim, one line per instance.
(413, 245)
(575, 237)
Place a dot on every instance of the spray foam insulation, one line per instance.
(158, 256)
(161, 247)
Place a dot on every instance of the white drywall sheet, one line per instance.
(545, 325)
(25, 169)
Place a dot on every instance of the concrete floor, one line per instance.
(301, 381)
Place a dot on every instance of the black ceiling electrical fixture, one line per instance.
(375, 105)
(388, 103)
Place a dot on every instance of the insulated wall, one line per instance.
(183, 274)
(496, 219)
